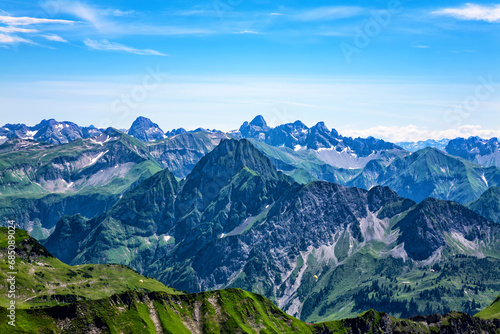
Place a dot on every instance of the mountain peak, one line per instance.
(236, 154)
(228, 159)
(259, 121)
(257, 128)
(321, 127)
(145, 130)
(144, 121)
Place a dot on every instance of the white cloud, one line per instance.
(54, 38)
(118, 12)
(421, 46)
(84, 12)
(413, 133)
(329, 13)
(102, 21)
(16, 29)
(8, 39)
(473, 12)
(106, 45)
(251, 32)
(24, 21)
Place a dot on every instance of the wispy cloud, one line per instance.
(9, 39)
(421, 46)
(119, 12)
(84, 12)
(473, 12)
(328, 13)
(105, 45)
(24, 21)
(17, 30)
(248, 32)
(54, 38)
(103, 20)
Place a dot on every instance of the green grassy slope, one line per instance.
(492, 311)
(43, 280)
(224, 311)
(488, 204)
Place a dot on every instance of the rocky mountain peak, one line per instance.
(259, 121)
(145, 130)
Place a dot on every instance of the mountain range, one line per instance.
(316, 250)
(41, 182)
(325, 226)
(57, 298)
(475, 149)
(351, 152)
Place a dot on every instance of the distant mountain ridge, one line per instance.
(475, 149)
(331, 147)
(419, 145)
(298, 136)
(488, 204)
(294, 135)
(41, 182)
(50, 131)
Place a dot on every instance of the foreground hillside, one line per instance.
(225, 311)
(115, 299)
(42, 280)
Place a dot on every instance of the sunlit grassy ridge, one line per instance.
(43, 280)
(492, 311)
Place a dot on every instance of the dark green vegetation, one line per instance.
(235, 221)
(115, 299)
(488, 205)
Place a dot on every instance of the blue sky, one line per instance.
(399, 70)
